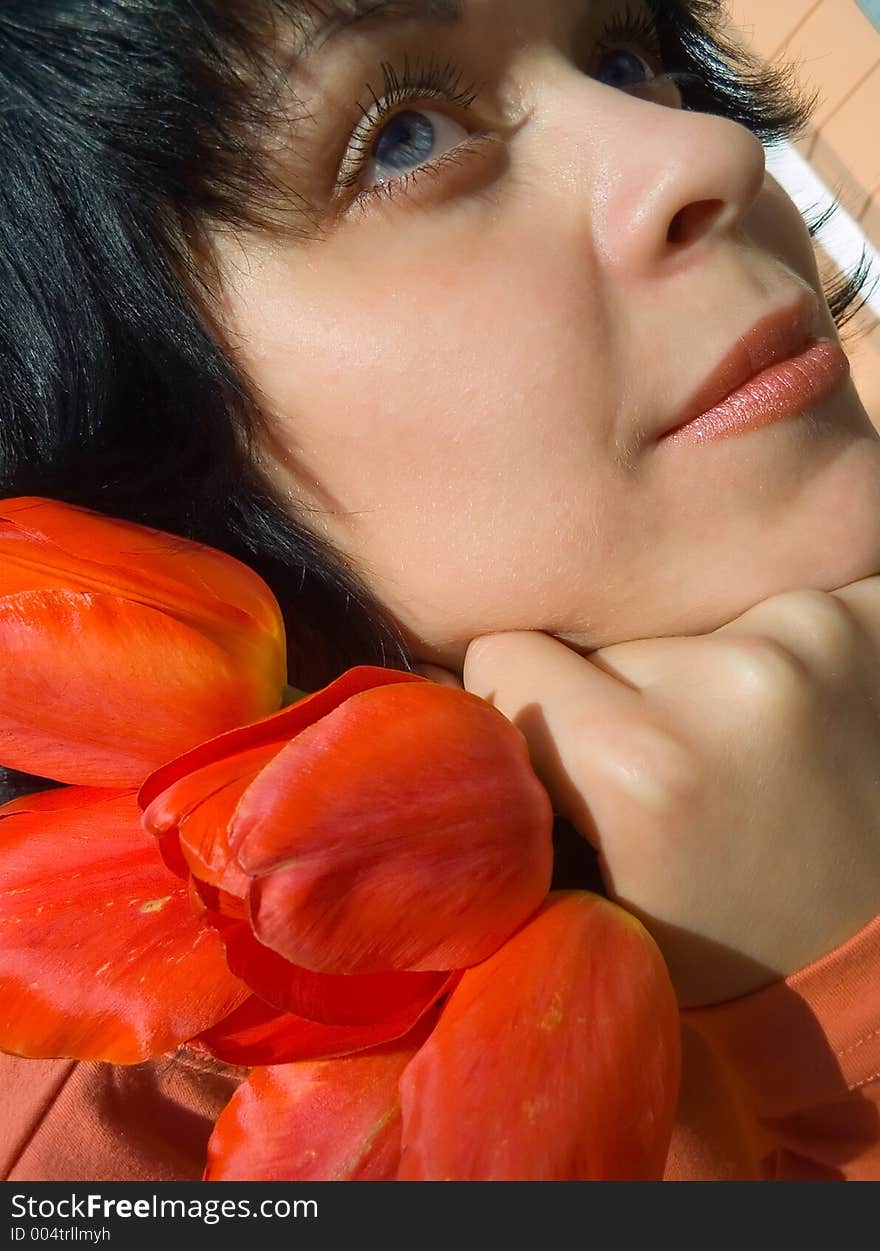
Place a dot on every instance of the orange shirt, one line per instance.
(783, 1084)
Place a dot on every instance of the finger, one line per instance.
(641, 663)
(822, 629)
(579, 722)
(863, 597)
(515, 669)
(829, 632)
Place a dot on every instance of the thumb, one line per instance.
(580, 723)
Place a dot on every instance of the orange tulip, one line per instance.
(121, 647)
(384, 823)
(103, 955)
(320, 1121)
(555, 1060)
(258, 1034)
(351, 891)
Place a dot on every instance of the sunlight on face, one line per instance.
(531, 259)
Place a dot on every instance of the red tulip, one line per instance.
(329, 1120)
(104, 957)
(101, 956)
(104, 953)
(121, 647)
(304, 891)
(555, 1060)
(257, 1034)
(385, 823)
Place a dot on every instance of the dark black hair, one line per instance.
(126, 128)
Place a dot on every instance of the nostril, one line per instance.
(693, 221)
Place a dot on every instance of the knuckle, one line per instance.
(767, 673)
(653, 769)
(826, 621)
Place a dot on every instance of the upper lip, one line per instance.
(775, 337)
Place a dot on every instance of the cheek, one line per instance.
(777, 227)
(426, 401)
(443, 408)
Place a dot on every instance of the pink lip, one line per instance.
(778, 369)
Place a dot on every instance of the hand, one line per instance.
(730, 781)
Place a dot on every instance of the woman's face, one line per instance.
(524, 274)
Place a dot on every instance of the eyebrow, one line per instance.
(324, 20)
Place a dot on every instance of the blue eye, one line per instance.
(623, 69)
(411, 139)
(405, 141)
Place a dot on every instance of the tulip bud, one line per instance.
(384, 823)
(121, 647)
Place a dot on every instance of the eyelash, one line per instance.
(421, 81)
(417, 81)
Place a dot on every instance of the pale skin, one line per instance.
(462, 382)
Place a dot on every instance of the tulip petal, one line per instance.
(217, 904)
(257, 1033)
(45, 544)
(331, 999)
(99, 691)
(328, 1120)
(101, 957)
(555, 1060)
(194, 812)
(405, 830)
(189, 802)
(272, 731)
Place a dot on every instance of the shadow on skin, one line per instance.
(768, 1133)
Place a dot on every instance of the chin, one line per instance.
(717, 587)
(823, 535)
(817, 568)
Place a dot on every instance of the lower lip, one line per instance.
(786, 389)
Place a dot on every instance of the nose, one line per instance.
(661, 182)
